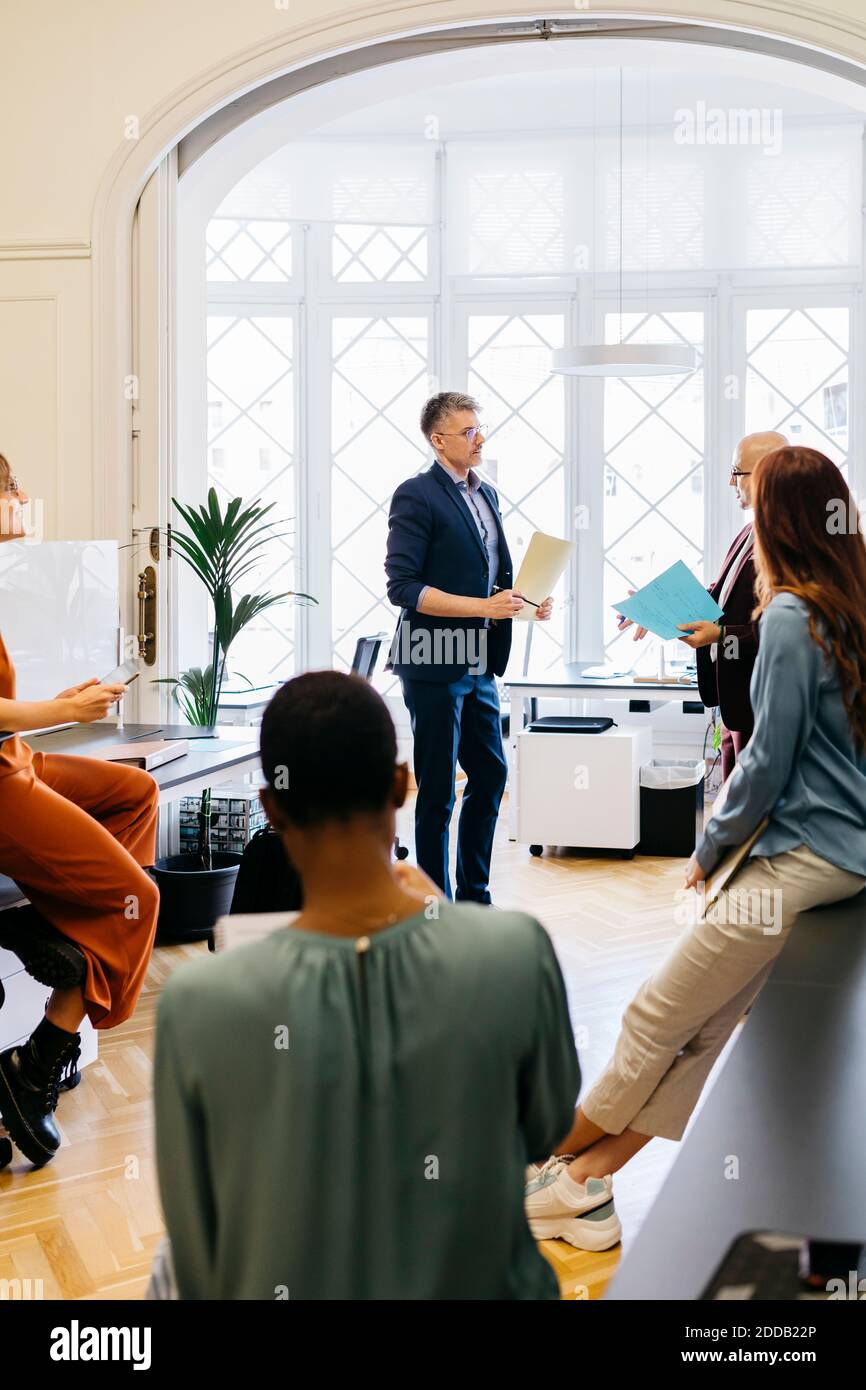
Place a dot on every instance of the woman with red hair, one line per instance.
(805, 771)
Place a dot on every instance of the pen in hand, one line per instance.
(498, 590)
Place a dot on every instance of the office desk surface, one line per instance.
(570, 676)
(789, 1105)
(209, 762)
(827, 947)
(232, 752)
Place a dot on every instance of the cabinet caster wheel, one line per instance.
(536, 850)
(5, 1152)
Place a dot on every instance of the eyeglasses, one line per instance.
(741, 473)
(468, 435)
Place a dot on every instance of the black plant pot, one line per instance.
(192, 898)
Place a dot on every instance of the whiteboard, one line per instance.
(59, 612)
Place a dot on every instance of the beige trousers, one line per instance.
(680, 1019)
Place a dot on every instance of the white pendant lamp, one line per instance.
(623, 359)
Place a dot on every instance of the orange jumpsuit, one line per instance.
(74, 834)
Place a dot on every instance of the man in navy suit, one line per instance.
(449, 572)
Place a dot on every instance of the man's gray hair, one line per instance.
(440, 406)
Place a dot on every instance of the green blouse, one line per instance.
(342, 1118)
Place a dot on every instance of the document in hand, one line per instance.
(730, 864)
(674, 597)
(543, 564)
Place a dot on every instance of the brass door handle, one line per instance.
(147, 615)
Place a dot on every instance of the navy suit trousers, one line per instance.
(451, 723)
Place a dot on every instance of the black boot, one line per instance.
(46, 954)
(29, 1084)
(71, 1075)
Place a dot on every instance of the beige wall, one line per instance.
(73, 76)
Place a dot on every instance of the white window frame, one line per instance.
(833, 295)
(288, 305)
(506, 301)
(316, 298)
(589, 480)
(321, 459)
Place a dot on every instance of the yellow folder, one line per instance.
(542, 568)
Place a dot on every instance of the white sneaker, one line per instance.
(587, 1220)
(555, 1163)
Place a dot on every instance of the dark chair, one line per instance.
(367, 654)
(364, 664)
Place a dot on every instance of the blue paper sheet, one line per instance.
(674, 597)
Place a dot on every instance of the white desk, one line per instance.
(246, 706)
(566, 682)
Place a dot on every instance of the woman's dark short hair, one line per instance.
(328, 748)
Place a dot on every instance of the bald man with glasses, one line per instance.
(726, 652)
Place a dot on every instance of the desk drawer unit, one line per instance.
(24, 1005)
(581, 790)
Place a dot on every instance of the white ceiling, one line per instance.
(510, 89)
(570, 84)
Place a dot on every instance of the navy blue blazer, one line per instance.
(433, 539)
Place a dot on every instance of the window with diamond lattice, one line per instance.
(514, 222)
(402, 196)
(523, 406)
(251, 447)
(240, 249)
(799, 207)
(364, 254)
(653, 463)
(663, 212)
(379, 382)
(797, 376)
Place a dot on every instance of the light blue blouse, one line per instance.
(800, 767)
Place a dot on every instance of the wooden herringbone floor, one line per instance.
(87, 1224)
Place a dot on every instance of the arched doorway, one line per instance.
(241, 112)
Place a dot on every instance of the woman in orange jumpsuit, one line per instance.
(75, 835)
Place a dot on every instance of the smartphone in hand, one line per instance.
(122, 675)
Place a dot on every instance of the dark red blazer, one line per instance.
(725, 682)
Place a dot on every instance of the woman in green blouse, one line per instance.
(345, 1109)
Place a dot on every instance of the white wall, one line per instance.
(75, 77)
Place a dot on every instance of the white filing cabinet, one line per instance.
(581, 790)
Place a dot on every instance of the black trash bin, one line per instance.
(671, 806)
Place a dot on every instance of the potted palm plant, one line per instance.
(221, 548)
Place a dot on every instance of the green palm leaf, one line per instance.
(222, 548)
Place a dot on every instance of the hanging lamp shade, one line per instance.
(624, 359)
